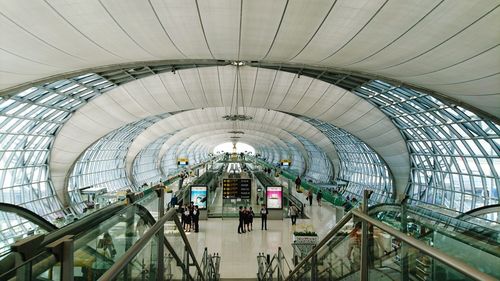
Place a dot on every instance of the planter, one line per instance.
(305, 239)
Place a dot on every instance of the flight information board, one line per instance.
(236, 188)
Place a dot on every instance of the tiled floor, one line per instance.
(239, 251)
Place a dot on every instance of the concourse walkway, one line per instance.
(239, 251)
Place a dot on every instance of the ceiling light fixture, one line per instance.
(237, 103)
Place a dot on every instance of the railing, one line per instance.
(160, 252)
(210, 264)
(335, 199)
(363, 251)
(275, 268)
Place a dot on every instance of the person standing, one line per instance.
(246, 219)
(195, 218)
(263, 216)
(298, 181)
(293, 212)
(310, 197)
(187, 219)
(251, 214)
(241, 218)
(319, 197)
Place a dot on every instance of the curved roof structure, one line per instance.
(396, 96)
(420, 43)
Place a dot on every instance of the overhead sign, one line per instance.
(236, 188)
(182, 161)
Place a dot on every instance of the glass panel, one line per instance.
(391, 259)
(339, 257)
(144, 265)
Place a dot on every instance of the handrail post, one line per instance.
(364, 238)
(186, 263)
(161, 233)
(280, 264)
(404, 247)
(314, 268)
(63, 249)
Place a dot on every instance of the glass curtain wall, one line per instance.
(320, 170)
(360, 165)
(169, 160)
(29, 121)
(146, 168)
(298, 165)
(455, 154)
(103, 164)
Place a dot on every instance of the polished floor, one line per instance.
(239, 251)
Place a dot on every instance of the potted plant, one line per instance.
(305, 237)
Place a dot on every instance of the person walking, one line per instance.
(310, 197)
(293, 212)
(298, 181)
(263, 216)
(195, 218)
(319, 197)
(241, 218)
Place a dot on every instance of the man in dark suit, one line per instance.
(195, 217)
(263, 216)
(242, 217)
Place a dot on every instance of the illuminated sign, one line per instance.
(236, 188)
(199, 196)
(274, 197)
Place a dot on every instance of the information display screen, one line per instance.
(274, 197)
(199, 196)
(236, 188)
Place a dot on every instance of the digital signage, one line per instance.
(236, 188)
(199, 196)
(274, 197)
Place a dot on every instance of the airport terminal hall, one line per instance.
(253, 140)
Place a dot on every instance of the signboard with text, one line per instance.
(236, 188)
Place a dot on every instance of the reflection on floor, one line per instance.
(239, 251)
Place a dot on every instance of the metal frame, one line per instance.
(407, 240)
(443, 136)
(360, 165)
(103, 163)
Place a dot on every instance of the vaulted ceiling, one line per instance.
(450, 48)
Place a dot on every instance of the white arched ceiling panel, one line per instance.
(212, 139)
(136, 100)
(263, 131)
(210, 119)
(432, 44)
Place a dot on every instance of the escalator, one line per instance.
(288, 198)
(375, 246)
(34, 258)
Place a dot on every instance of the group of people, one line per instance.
(245, 219)
(349, 203)
(309, 194)
(190, 217)
(319, 197)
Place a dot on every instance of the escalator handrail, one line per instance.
(321, 243)
(457, 265)
(148, 218)
(425, 212)
(473, 213)
(28, 215)
(132, 252)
